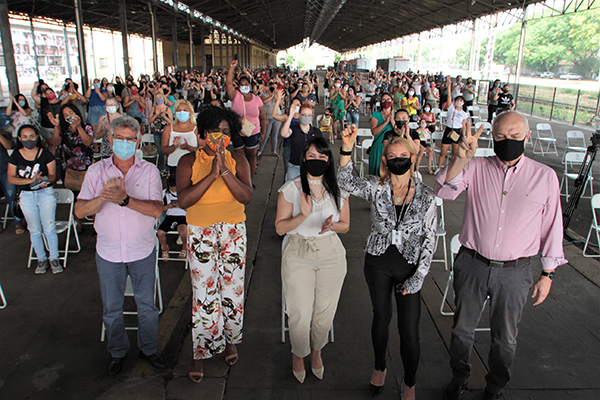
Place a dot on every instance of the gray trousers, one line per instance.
(273, 127)
(113, 278)
(508, 289)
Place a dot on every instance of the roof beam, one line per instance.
(327, 14)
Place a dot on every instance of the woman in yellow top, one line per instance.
(214, 185)
(410, 103)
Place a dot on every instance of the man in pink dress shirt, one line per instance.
(125, 195)
(512, 213)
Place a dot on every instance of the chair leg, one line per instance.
(587, 241)
(445, 253)
(331, 336)
(283, 310)
(450, 277)
(4, 299)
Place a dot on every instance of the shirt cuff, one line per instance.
(550, 263)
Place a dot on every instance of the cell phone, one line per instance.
(235, 57)
(37, 184)
(69, 120)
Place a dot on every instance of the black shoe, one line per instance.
(155, 359)
(454, 390)
(115, 365)
(491, 396)
(375, 390)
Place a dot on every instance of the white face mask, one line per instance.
(111, 109)
(411, 92)
(245, 89)
(338, 85)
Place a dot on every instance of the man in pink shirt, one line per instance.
(125, 195)
(512, 213)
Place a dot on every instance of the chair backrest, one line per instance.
(575, 135)
(147, 138)
(475, 109)
(439, 202)
(438, 135)
(454, 245)
(596, 201)
(436, 110)
(443, 114)
(64, 196)
(544, 128)
(486, 126)
(319, 118)
(366, 143)
(413, 125)
(139, 153)
(574, 157)
(576, 140)
(484, 152)
(365, 132)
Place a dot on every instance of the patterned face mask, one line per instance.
(212, 140)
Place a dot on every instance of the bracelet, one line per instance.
(345, 153)
(226, 172)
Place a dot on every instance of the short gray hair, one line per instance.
(504, 114)
(125, 121)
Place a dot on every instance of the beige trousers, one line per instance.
(312, 272)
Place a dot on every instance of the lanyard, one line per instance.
(399, 217)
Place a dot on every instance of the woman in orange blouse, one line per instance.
(214, 185)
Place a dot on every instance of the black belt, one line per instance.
(496, 264)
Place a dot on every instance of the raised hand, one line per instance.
(233, 64)
(220, 155)
(53, 119)
(305, 204)
(349, 136)
(467, 147)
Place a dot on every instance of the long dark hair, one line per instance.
(64, 125)
(329, 177)
(26, 106)
(40, 139)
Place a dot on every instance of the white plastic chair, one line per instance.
(364, 157)
(593, 226)
(574, 160)
(484, 152)
(139, 154)
(319, 118)
(3, 298)
(413, 125)
(543, 134)
(159, 255)
(285, 328)
(437, 135)
(442, 119)
(454, 248)
(97, 154)
(440, 233)
(486, 135)
(66, 197)
(476, 117)
(129, 293)
(575, 142)
(148, 140)
(6, 217)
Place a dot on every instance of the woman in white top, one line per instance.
(456, 121)
(311, 211)
(180, 138)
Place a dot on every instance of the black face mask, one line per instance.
(400, 124)
(29, 144)
(509, 149)
(399, 165)
(165, 91)
(316, 167)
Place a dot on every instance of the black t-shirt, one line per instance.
(389, 135)
(25, 167)
(45, 108)
(297, 139)
(505, 100)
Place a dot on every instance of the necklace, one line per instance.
(315, 181)
(399, 199)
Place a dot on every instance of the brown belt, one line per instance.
(496, 264)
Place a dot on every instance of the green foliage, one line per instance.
(289, 58)
(337, 57)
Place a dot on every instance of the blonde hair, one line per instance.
(190, 107)
(384, 172)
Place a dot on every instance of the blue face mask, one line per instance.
(97, 85)
(160, 101)
(183, 116)
(124, 149)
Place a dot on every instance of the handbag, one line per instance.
(17, 211)
(247, 126)
(74, 179)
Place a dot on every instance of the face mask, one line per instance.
(399, 165)
(346, 89)
(51, 96)
(134, 92)
(21, 103)
(97, 85)
(338, 85)
(316, 167)
(165, 91)
(160, 101)
(111, 109)
(505, 90)
(509, 149)
(458, 106)
(411, 92)
(124, 149)
(427, 109)
(400, 124)
(29, 144)
(182, 116)
(212, 140)
(245, 89)
(209, 86)
(305, 120)
(497, 85)
(351, 92)
(110, 89)
(304, 90)
(423, 125)
(272, 89)
(386, 104)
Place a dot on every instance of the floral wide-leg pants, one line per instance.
(217, 266)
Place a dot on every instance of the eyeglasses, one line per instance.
(130, 139)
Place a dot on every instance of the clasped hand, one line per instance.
(113, 190)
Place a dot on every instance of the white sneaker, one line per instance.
(42, 267)
(56, 267)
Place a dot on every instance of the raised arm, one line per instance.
(229, 88)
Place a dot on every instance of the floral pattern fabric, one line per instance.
(217, 267)
(76, 155)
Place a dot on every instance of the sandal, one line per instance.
(165, 253)
(231, 354)
(19, 230)
(430, 171)
(182, 254)
(196, 371)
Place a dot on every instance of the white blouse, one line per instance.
(321, 210)
(189, 137)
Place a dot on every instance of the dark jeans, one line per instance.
(161, 157)
(9, 192)
(491, 110)
(508, 289)
(382, 277)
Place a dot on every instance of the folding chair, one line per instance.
(63, 196)
(319, 118)
(437, 135)
(98, 154)
(129, 293)
(285, 328)
(148, 140)
(413, 125)
(575, 142)
(364, 157)
(326, 98)
(593, 226)
(486, 135)
(139, 154)
(440, 232)
(574, 160)
(442, 120)
(543, 134)
(475, 113)
(3, 298)
(454, 248)
(484, 152)
(159, 255)
(6, 217)
(363, 103)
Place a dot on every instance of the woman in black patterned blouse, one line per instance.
(399, 249)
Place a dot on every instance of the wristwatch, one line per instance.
(125, 201)
(548, 274)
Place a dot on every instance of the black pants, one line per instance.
(491, 110)
(383, 273)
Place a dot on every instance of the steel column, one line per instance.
(8, 49)
(521, 45)
(203, 49)
(153, 31)
(81, 44)
(191, 66)
(221, 50)
(67, 49)
(37, 64)
(576, 105)
(227, 60)
(175, 45)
